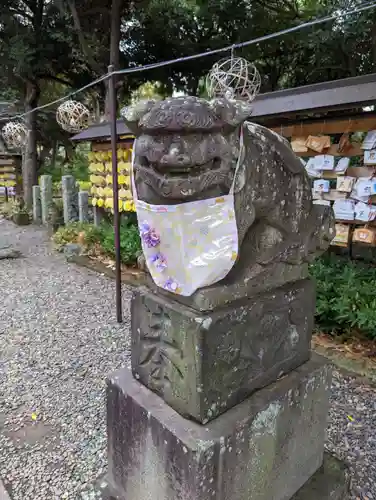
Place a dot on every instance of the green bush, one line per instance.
(11, 208)
(346, 299)
(130, 243)
(70, 233)
(78, 165)
(103, 237)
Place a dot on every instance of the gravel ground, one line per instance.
(59, 340)
(352, 432)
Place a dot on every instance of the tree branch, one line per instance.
(80, 33)
(21, 13)
(55, 79)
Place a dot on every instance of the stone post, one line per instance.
(46, 197)
(37, 205)
(224, 400)
(83, 206)
(98, 215)
(70, 198)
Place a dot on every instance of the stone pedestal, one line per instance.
(203, 364)
(330, 482)
(265, 448)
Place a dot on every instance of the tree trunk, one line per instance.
(54, 153)
(30, 159)
(114, 49)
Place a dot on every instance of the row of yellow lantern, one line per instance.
(101, 180)
(107, 167)
(107, 192)
(122, 154)
(6, 183)
(7, 177)
(124, 205)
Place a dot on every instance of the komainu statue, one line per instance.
(191, 149)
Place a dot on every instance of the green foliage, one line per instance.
(149, 90)
(12, 208)
(7, 209)
(70, 233)
(102, 237)
(346, 300)
(76, 166)
(130, 243)
(82, 185)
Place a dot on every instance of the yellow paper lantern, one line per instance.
(109, 203)
(108, 166)
(100, 167)
(93, 190)
(94, 202)
(128, 206)
(91, 156)
(100, 202)
(92, 167)
(122, 193)
(128, 154)
(109, 179)
(122, 179)
(120, 154)
(98, 155)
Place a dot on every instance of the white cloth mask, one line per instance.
(190, 245)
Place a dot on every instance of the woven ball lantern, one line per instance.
(72, 116)
(14, 134)
(234, 78)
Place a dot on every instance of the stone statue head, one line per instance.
(186, 147)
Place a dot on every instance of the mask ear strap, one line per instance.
(133, 182)
(232, 188)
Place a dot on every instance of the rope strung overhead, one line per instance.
(336, 15)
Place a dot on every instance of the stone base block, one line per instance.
(330, 482)
(202, 364)
(265, 448)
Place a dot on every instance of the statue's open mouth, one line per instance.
(213, 165)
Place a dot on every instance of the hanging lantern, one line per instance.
(14, 134)
(72, 116)
(234, 78)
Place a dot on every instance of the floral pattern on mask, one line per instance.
(171, 285)
(149, 235)
(160, 262)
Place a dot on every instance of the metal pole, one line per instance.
(115, 190)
